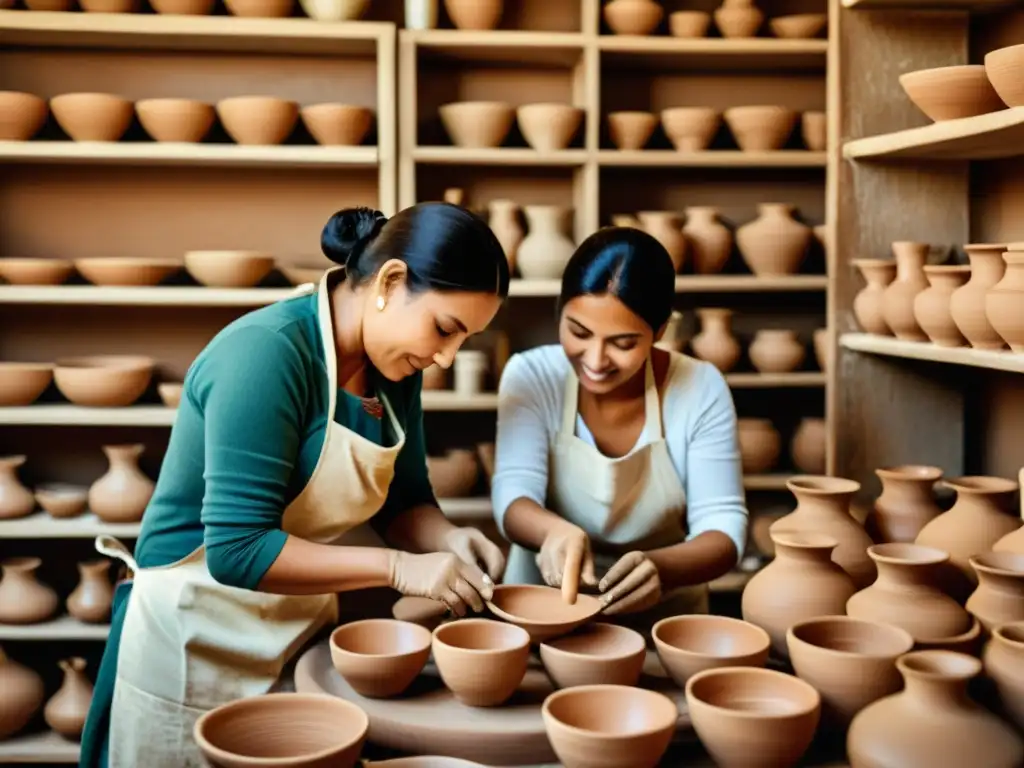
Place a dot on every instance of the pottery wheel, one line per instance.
(428, 720)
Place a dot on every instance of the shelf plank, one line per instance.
(61, 628)
(673, 53)
(667, 158)
(517, 47)
(566, 158)
(765, 482)
(46, 747)
(775, 380)
(975, 6)
(40, 525)
(985, 137)
(889, 346)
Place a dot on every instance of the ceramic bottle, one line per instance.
(65, 712)
(1003, 659)
(664, 226)
(15, 499)
(760, 445)
(504, 222)
(121, 495)
(776, 351)
(715, 342)
(90, 601)
(23, 599)
(546, 249)
(869, 303)
(967, 304)
(23, 694)
(999, 596)
(809, 445)
(931, 306)
(906, 504)
(898, 303)
(1004, 302)
(774, 243)
(710, 241)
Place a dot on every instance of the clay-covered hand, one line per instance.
(566, 542)
(440, 576)
(472, 547)
(631, 585)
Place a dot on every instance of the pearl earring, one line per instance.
(380, 303)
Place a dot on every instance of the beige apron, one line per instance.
(190, 643)
(635, 502)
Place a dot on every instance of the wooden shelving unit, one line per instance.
(1005, 360)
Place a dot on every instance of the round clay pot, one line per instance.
(61, 500)
(334, 10)
(43, 271)
(229, 269)
(474, 14)
(823, 349)
(687, 645)
(869, 303)
(761, 128)
(666, 228)
(126, 270)
(503, 218)
(103, 381)
(898, 303)
(596, 654)
(715, 342)
(22, 384)
(1003, 306)
(709, 240)
(906, 505)
(540, 610)
(15, 499)
(1003, 660)
(122, 493)
(23, 695)
(91, 600)
(776, 351)
(92, 116)
(691, 129)
(23, 599)
(633, 17)
(813, 130)
(337, 125)
(738, 21)
(453, 475)
(477, 124)
(774, 243)
(23, 115)
(689, 23)
(170, 393)
(760, 445)
(183, 7)
(967, 304)
(66, 711)
(380, 658)
(546, 249)
(184, 120)
(850, 662)
(549, 127)
(631, 130)
(949, 93)
(260, 9)
(809, 446)
(1003, 68)
(257, 120)
(999, 598)
(931, 306)
(932, 720)
(798, 26)
(481, 661)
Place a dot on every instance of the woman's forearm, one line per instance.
(305, 568)
(528, 524)
(419, 529)
(701, 559)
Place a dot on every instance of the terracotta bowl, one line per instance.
(453, 475)
(814, 130)
(549, 127)
(629, 18)
(258, 120)
(103, 381)
(92, 116)
(298, 274)
(687, 645)
(276, 730)
(540, 610)
(228, 269)
(691, 129)
(260, 9)
(424, 761)
(380, 658)
(170, 393)
(609, 725)
(183, 7)
(337, 125)
(178, 120)
(126, 270)
(631, 130)
(477, 124)
(35, 271)
(62, 500)
(950, 93)
(334, 10)
(761, 128)
(23, 383)
(748, 716)
(597, 654)
(689, 23)
(109, 6)
(482, 662)
(798, 26)
(419, 610)
(969, 641)
(1005, 70)
(21, 115)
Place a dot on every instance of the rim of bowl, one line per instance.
(894, 631)
(577, 690)
(511, 617)
(761, 672)
(616, 629)
(104, 362)
(697, 618)
(442, 628)
(822, 484)
(425, 636)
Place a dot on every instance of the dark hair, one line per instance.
(444, 247)
(627, 263)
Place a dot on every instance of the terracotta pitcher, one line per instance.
(809, 446)
(546, 249)
(121, 495)
(15, 499)
(1003, 659)
(999, 598)
(760, 445)
(776, 351)
(1003, 302)
(665, 226)
(23, 694)
(931, 306)
(65, 712)
(869, 303)
(967, 304)
(91, 599)
(906, 505)
(898, 305)
(23, 599)
(503, 218)
(715, 342)
(774, 243)
(709, 239)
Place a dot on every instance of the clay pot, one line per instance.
(906, 505)
(906, 593)
(540, 610)
(61, 500)
(710, 241)
(949, 93)
(1003, 68)
(470, 367)
(474, 14)
(23, 695)
(687, 645)
(23, 115)
(633, 17)
(91, 600)
(753, 717)
(122, 493)
(801, 583)
(103, 381)
(126, 270)
(760, 445)
(229, 269)
(813, 127)
(1003, 306)
(477, 124)
(631, 130)
(738, 19)
(482, 662)
(184, 120)
(760, 129)
(823, 349)
(798, 26)
(65, 712)
(337, 125)
(170, 393)
(776, 351)
(932, 720)
(823, 506)
(809, 445)
(1013, 541)
(15, 499)
(869, 303)
(774, 243)
(453, 475)
(22, 384)
(92, 116)
(380, 658)
(931, 306)
(967, 304)
(260, 9)
(609, 725)
(689, 23)
(23, 599)
(999, 598)
(334, 10)
(691, 129)
(549, 127)
(665, 227)
(715, 342)
(258, 120)
(898, 303)
(183, 7)
(1003, 660)
(546, 249)
(43, 271)
(597, 654)
(850, 662)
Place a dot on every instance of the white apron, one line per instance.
(635, 502)
(190, 644)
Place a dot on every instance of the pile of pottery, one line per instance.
(951, 305)
(24, 695)
(692, 129)
(546, 127)
(761, 445)
(321, 10)
(120, 495)
(734, 19)
(454, 475)
(26, 600)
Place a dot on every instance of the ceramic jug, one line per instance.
(999, 597)
(715, 342)
(1003, 659)
(503, 218)
(898, 304)
(23, 599)
(967, 304)
(665, 227)
(121, 495)
(774, 243)
(22, 695)
(90, 601)
(869, 303)
(1004, 302)
(66, 711)
(710, 241)
(931, 306)
(546, 249)
(760, 445)
(906, 505)
(15, 499)
(808, 446)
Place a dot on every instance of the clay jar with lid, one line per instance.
(23, 599)
(906, 505)
(760, 445)
(66, 711)
(775, 243)
(709, 239)
(15, 499)
(503, 218)
(91, 600)
(898, 304)
(931, 306)
(121, 495)
(967, 304)
(808, 446)
(776, 351)
(665, 227)
(1004, 302)
(999, 597)
(1003, 659)
(23, 694)
(869, 303)
(715, 342)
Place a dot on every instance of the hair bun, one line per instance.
(347, 233)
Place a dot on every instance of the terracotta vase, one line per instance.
(546, 249)
(453, 475)
(898, 304)
(823, 506)
(760, 445)
(710, 241)
(503, 217)
(15, 499)
(23, 694)
(869, 303)
(801, 583)
(715, 342)
(967, 304)
(774, 243)
(932, 721)
(906, 505)
(23, 599)
(665, 227)
(1003, 660)
(808, 446)
(1003, 302)
(65, 712)
(999, 598)
(474, 14)
(91, 599)
(776, 351)
(121, 495)
(738, 19)
(931, 306)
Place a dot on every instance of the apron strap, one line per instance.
(652, 404)
(327, 339)
(111, 547)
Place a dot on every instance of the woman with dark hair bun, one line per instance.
(299, 423)
(617, 463)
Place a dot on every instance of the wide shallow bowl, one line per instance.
(423, 761)
(761, 128)
(337, 125)
(950, 93)
(170, 393)
(228, 269)
(540, 610)
(749, 716)
(35, 271)
(631, 130)
(183, 7)
(549, 127)
(477, 124)
(380, 658)
(798, 26)
(176, 120)
(629, 18)
(103, 381)
(609, 725)
(276, 730)
(689, 23)
(482, 662)
(1005, 70)
(258, 120)
(62, 499)
(334, 10)
(92, 116)
(126, 270)
(260, 9)
(691, 129)
(597, 654)
(23, 383)
(21, 115)
(687, 645)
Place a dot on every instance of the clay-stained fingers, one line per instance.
(549, 563)
(470, 596)
(587, 575)
(647, 596)
(571, 570)
(491, 555)
(454, 603)
(477, 581)
(633, 580)
(624, 566)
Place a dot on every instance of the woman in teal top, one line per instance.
(298, 423)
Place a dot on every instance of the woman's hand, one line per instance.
(472, 547)
(566, 543)
(631, 585)
(440, 576)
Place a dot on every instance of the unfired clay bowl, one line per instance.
(103, 381)
(298, 274)
(419, 610)
(175, 120)
(228, 269)
(477, 124)
(609, 725)
(798, 26)
(92, 116)
(597, 654)
(126, 270)
(689, 23)
(337, 125)
(482, 662)
(549, 127)
(263, 9)
(540, 610)
(183, 7)
(687, 645)
(760, 128)
(21, 115)
(631, 130)
(279, 730)
(170, 393)
(23, 383)
(62, 500)
(625, 17)
(258, 120)
(423, 761)
(380, 658)
(949, 93)
(690, 129)
(35, 271)
(1005, 70)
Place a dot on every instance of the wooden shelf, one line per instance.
(558, 49)
(567, 158)
(985, 137)
(41, 525)
(975, 6)
(889, 346)
(765, 482)
(46, 747)
(775, 380)
(672, 53)
(666, 158)
(61, 628)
